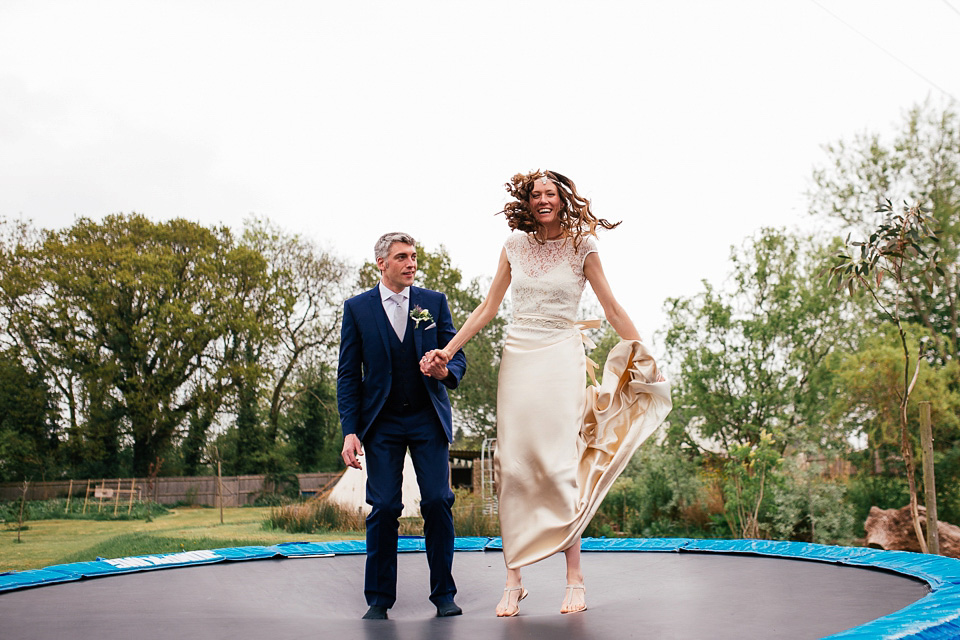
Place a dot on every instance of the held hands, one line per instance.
(434, 364)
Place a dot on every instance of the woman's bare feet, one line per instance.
(574, 599)
(510, 602)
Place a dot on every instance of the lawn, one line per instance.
(49, 542)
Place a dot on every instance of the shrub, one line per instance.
(315, 516)
(810, 507)
(56, 509)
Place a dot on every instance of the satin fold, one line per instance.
(560, 443)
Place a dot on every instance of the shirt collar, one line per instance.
(386, 293)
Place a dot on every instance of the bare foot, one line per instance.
(510, 602)
(574, 599)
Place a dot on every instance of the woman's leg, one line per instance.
(512, 594)
(574, 597)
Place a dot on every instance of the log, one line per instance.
(892, 529)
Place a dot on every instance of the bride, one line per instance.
(560, 444)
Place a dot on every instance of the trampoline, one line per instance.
(636, 588)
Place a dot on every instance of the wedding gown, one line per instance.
(560, 443)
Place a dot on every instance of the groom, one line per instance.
(387, 406)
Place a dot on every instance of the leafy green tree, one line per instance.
(750, 369)
(124, 313)
(895, 249)
(311, 423)
(754, 359)
(308, 285)
(920, 164)
(29, 439)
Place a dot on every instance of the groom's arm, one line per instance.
(445, 332)
(349, 373)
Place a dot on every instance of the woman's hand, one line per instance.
(434, 364)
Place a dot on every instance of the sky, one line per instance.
(696, 123)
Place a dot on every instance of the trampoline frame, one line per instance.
(937, 615)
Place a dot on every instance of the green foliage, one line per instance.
(920, 164)
(747, 476)
(809, 507)
(57, 510)
(866, 490)
(871, 379)
(660, 494)
(754, 359)
(311, 423)
(124, 314)
(29, 442)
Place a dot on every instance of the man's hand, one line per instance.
(434, 364)
(352, 448)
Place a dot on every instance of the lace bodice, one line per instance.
(547, 279)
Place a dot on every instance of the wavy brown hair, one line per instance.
(576, 218)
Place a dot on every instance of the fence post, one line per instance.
(929, 483)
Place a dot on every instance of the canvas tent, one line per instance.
(350, 490)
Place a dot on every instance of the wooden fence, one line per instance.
(200, 490)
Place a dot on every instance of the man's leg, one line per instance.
(384, 463)
(431, 459)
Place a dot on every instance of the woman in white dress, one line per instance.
(560, 444)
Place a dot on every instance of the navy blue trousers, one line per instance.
(384, 448)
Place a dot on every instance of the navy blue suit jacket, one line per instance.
(364, 371)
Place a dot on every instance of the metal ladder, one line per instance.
(487, 491)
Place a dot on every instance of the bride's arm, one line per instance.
(615, 314)
(487, 310)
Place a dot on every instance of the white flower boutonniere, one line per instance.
(420, 315)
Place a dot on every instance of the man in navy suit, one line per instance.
(387, 406)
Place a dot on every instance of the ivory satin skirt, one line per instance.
(561, 443)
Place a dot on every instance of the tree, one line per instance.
(752, 367)
(309, 285)
(311, 423)
(896, 252)
(920, 164)
(123, 313)
(29, 441)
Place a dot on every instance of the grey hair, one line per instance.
(382, 248)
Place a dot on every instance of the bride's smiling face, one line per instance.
(545, 202)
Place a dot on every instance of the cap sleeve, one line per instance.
(588, 246)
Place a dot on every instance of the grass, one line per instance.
(49, 542)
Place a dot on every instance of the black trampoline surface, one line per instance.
(629, 595)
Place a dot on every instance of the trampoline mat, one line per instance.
(629, 595)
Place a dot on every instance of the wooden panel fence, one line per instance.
(199, 490)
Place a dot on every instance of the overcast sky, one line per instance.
(694, 122)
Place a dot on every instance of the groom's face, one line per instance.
(400, 266)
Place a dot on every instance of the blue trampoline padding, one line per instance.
(245, 553)
(933, 617)
(33, 578)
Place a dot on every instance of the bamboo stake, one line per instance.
(86, 496)
(133, 484)
(69, 493)
(23, 500)
(103, 485)
(219, 488)
(116, 498)
(929, 481)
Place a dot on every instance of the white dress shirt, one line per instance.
(390, 306)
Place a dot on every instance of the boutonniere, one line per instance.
(420, 315)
